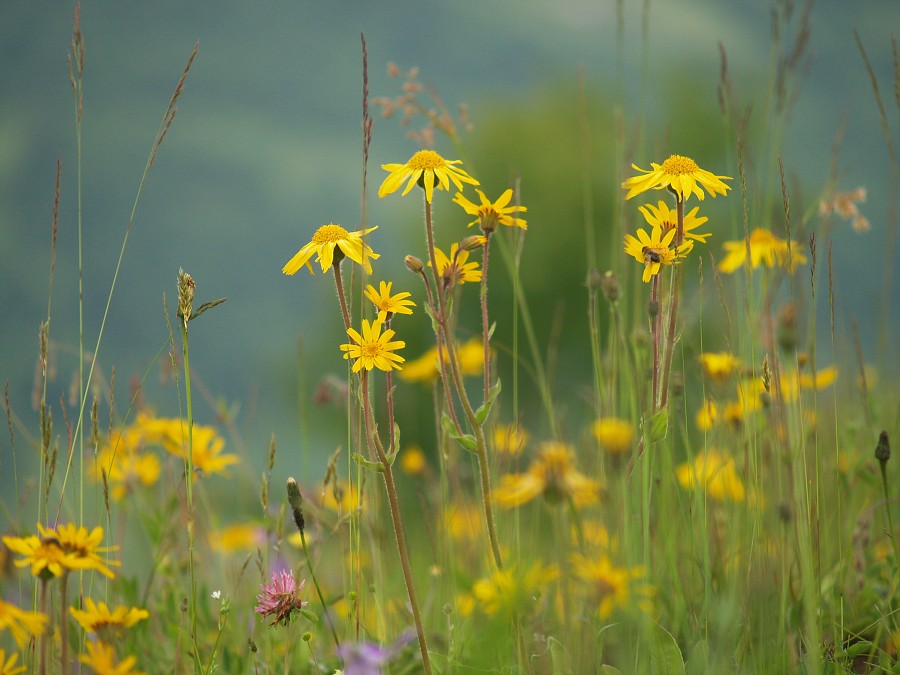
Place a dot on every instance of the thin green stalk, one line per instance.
(673, 306)
(63, 624)
(377, 450)
(312, 575)
(485, 328)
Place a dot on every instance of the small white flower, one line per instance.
(217, 595)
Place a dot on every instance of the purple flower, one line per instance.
(367, 658)
(279, 597)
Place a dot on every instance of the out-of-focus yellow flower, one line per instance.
(429, 170)
(488, 214)
(470, 356)
(508, 592)
(23, 624)
(342, 497)
(207, 447)
(667, 219)
(102, 658)
(237, 538)
(678, 173)
(611, 587)
(96, 617)
(765, 249)
(553, 475)
(509, 439)
(8, 665)
(412, 460)
(707, 415)
(463, 521)
(66, 548)
(614, 435)
(331, 243)
(715, 473)
(719, 366)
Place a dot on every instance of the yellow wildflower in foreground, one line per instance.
(678, 173)
(470, 357)
(385, 302)
(614, 435)
(612, 587)
(331, 243)
(667, 219)
(373, 349)
(66, 548)
(718, 366)
(23, 624)
(102, 658)
(455, 270)
(8, 666)
(765, 248)
(96, 617)
(654, 250)
(429, 170)
(553, 475)
(488, 213)
(507, 593)
(714, 473)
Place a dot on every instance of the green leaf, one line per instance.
(485, 409)
(608, 670)
(658, 426)
(467, 441)
(392, 453)
(858, 648)
(434, 323)
(372, 466)
(665, 655)
(205, 306)
(309, 614)
(562, 662)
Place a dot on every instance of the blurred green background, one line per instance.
(266, 147)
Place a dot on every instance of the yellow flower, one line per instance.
(507, 593)
(489, 214)
(324, 242)
(66, 548)
(8, 666)
(124, 464)
(667, 219)
(373, 349)
(718, 366)
(412, 460)
(707, 415)
(614, 434)
(552, 475)
(612, 587)
(342, 498)
(97, 617)
(23, 624)
(208, 445)
(463, 520)
(765, 248)
(427, 168)
(821, 380)
(102, 658)
(455, 269)
(509, 439)
(655, 250)
(425, 368)
(678, 173)
(238, 537)
(382, 299)
(715, 473)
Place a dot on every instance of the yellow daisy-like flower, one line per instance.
(97, 617)
(613, 587)
(207, 446)
(507, 592)
(553, 475)
(455, 270)
(615, 435)
(470, 356)
(124, 464)
(385, 302)
(373, 349)
(428, 169)
(681, 175)
(718, 366)
(331, 243)
(102, 658)
(654, 250)
(23, 624)
(765, 249)
(509, 439)
(715, 473)
(667, 219)
(66, 548)
(8, 665)
(488, 213)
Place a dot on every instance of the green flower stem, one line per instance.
(189, 489)
(63, 624)
(478, 429)
(45, 637)
(338, 281)
(655, 327)
(312, 575)
(673, 307)
(485, 329)
(376, 449)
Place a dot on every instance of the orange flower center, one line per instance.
(330, 233)
(370, 350)
(426, 159)
(678, 165)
